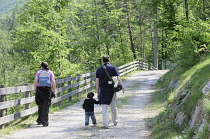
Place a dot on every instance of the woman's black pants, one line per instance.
(43, 102)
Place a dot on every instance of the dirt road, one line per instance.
(69, 122)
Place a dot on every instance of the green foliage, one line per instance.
(166, 130)
(204, 134)
(74, 35)
(98, 35)
(41, 36)
(194, 41)
(201, 10)
(206, 105)
(168, 12)
(184, 34)
(6, 61)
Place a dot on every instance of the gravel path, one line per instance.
(69, 122)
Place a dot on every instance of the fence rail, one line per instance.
(70, 85)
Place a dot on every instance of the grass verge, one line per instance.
(169, 102)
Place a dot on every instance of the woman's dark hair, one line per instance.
(44, 65)
(90, 95)
(106, 58)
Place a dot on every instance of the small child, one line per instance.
(88, 106)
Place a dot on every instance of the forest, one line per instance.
(73, 35)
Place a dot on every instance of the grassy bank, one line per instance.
(168, 100)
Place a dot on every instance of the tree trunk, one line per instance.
(130, 29)
(97, 49)
(204, 10)
(121, 42)
(186, 9)
(163, 57)
(141, 47)
(155, 46)
(131, 37)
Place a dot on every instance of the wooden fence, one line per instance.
(66, 88)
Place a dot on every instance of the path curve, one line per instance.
(69, 122)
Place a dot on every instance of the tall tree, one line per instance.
(155, 46)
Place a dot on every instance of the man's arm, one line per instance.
(120, 81)
(97, 87)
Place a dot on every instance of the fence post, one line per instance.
(144, 66)
(27, 95)
(85, 91)
(2, 99)
(78, 79)
(69, 83)
(59, 93)
(140, 65)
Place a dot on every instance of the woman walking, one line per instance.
(44, 81)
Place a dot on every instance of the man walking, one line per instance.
(107, 97)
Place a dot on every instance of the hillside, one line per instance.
(184, 103)
(6, 6)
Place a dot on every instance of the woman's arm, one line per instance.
(53, 85)
(35, 84)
